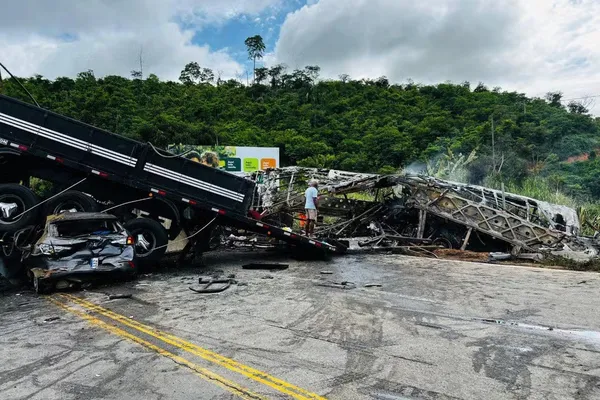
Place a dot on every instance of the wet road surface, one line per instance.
(434, 330)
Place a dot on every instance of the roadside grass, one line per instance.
(592, 265)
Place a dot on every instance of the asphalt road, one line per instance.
(434, 330)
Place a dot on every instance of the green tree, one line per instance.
(554, 98)
(256, 49)
(194, 74)
(275, 73)
(576, 107)
(190, 73)
(370, 125)
(261, 74)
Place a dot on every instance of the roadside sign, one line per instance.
(238, 160)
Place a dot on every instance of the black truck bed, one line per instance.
(76, 145)
(118, 158)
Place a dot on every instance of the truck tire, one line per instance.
(148, 234)
(447, 240)
(24, 198)
(71, 200)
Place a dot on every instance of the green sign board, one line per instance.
(233, 164)
(250, 164)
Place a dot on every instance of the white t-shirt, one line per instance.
(310, 194)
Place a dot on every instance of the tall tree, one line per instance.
(256, 49)
(577, 107)
(190, 72)
(344, 78)
(554, 98)
(312, 71)
(275, 73)
(261, 74)
(206, 75)
(193, 73)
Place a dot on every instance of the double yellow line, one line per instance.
(191, 348)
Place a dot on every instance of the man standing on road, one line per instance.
(311, 206)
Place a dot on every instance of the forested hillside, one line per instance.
(366, 125)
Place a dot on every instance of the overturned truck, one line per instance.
(391, 210)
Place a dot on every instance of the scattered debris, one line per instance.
(496, 256)
(407, 213)
(266, 266)
(211, 285)
(119, 296)
(338, 285)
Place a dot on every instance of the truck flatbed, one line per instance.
(58, 143)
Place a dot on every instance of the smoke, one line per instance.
(448, 166)
(416, 168)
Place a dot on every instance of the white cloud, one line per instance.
(528, 45)
(533, 46)
(64, 37)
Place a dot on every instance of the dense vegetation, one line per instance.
(359, 125)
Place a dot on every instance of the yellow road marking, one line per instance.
(259, 376)
(200, 371)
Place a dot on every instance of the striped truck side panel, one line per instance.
(65, 138)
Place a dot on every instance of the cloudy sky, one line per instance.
(533, 46)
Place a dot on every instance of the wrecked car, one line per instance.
(80, 248)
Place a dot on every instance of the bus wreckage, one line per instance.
(388, 211)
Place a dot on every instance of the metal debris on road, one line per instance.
(211, 285)
(338, 285)
(120, 296)
(266, 266)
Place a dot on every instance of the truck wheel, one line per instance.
(149, 235)
(71, 200)
(14, 199)
(447, 240)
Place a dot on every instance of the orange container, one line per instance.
(302, 220)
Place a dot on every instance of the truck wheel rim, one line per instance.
(68, 206)
(445, 243)
(12, 199)
(150, 241)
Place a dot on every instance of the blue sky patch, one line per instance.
(231, 34)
